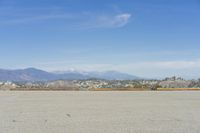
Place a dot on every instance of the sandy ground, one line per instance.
(100, 112)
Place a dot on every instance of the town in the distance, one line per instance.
(35, 79)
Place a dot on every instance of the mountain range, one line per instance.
(33, 74)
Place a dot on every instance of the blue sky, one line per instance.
(148, 38)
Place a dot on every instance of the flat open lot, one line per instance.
(100, 112)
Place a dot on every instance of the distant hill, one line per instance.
(33, 74)
(112, 75)
(29, 74)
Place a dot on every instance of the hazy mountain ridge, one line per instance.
(33, 74)
(110, 75)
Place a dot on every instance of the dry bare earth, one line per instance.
(100, 112)
(178, 89)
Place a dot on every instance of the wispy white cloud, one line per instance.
(10, 14)
(122, 19)
(75, 21)
(118, 20)
(107, 21)
(36, 18)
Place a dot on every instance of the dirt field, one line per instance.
(100, 112)
(178, 89)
